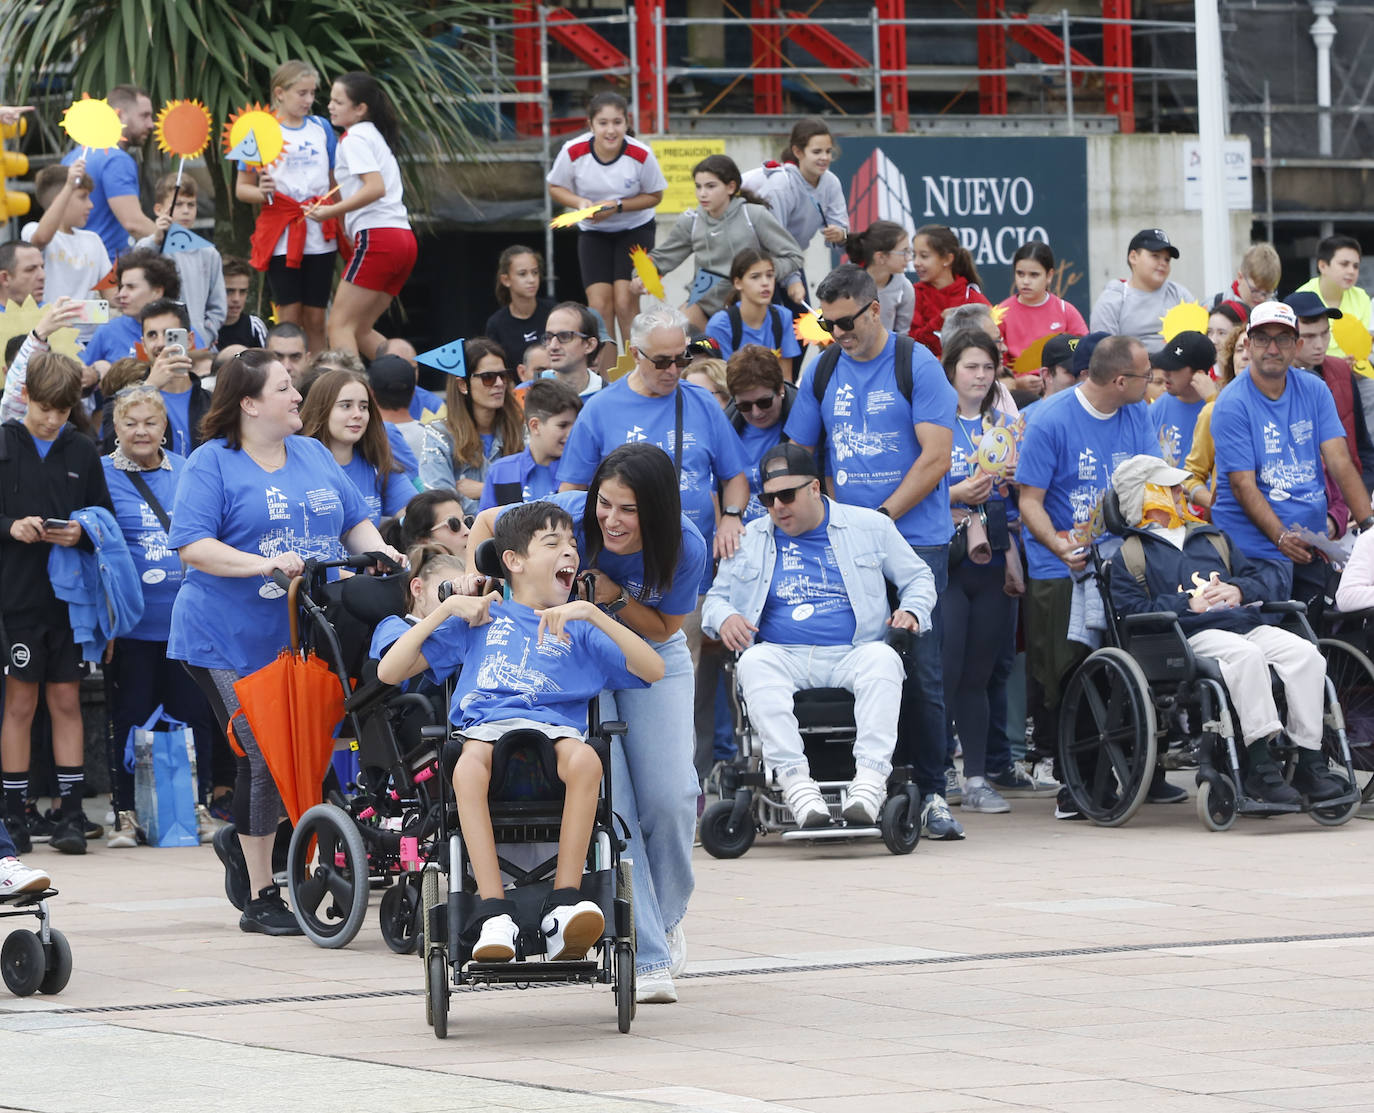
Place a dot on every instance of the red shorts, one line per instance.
(382, 259)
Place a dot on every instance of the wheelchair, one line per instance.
(34, 961)
(377, 831)
(751, 802)
(525, 802)
(1145, 700)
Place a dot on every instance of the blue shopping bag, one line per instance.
(161, 754)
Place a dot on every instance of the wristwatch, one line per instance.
(884, 511)
(616, 605)
(1368, 523)
(732, 512)
(620, 206)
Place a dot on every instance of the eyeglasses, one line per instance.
(566, 337)
(846, 323)
(905, 253)
(1135, 375)
(1263, 341)
(786, 496)
(490, 378)
(745, 405)
(662, 363)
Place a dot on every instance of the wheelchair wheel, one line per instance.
(901, 830)
(400, 913)
(436, 993)
(59, 969)
(1107, 737)
(328, 890)
(624, 985)
(1352, 675)
(1216, 803)
(718, 838)
(23, 963)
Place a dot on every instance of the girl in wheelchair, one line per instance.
(528, 663)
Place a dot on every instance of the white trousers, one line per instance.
(1245, 660)
(770, 674)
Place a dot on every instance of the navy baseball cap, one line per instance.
(1083, 353)
(1307, 303)
(1152, 239)
(1187, 349)
(1058, 351)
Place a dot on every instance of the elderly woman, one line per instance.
(254, 499)
(1171, 561)
(143, 479)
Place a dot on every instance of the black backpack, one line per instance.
(825, 367)
(737, 326)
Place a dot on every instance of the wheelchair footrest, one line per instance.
(1251, 807)
(27, 900)
(532, 970)
(833, 832)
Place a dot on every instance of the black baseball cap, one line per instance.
(1083, 351)
(1152, 239)
(1187, 349)
(390, 371)
(787, 459)
(1058, 351)
(1307, 303)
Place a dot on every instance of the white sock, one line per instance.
(975, 782)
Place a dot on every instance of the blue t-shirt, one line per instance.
(119, 338)
(115, 174)
(402, 453)
(616, 415)
(509, 672)
(756, 442)
(536, 481)
(424, 400)
(679, 598)
(1174, 422)
(305, 506)
(159, 566)
(718, 327)
(384, 497)
(807, 602)
(43, 447)
(1071, 454)
(179, 420)
(1280, 441)
(870, 434)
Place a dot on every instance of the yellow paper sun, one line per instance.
(1186, 316)
(1032, 356)
(567, 220)
(20, 318)
(648, 273)
(183, 128)
(1352, 337)
(998, 312)
(808, 330)
(93, 123)
(265, 129)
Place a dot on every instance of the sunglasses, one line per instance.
(846, 323)
(662, 363)
(490, 378)
(563, 337)
(455, 524)
(786, 496)
(745, 406)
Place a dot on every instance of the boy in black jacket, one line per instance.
(48, 470)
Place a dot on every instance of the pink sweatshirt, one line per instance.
(1023, 325)
(1356, 592)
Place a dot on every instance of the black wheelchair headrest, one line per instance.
(370, 599)
(488, 561)
(1111, 513)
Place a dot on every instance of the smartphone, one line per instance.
(94, 311)
(180, 338)
(55, 523)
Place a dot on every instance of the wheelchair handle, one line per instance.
(445, 590)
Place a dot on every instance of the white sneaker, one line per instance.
(677, 951)
(803, 798)
(655, 989)
(15, 877)
(864, 798)
(572, 929)
(497, 940)
(124, 832)
(984, 798)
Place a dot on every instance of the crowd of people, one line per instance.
(736, 492)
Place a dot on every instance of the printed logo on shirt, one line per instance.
(1271, 437)
(1281, 477)
(848, 441)
(844, 401)
(841, 477)
(154, 548)
(19, 655)
(1301, 431)
(635, 435)
(323, 500)
(499, 632)
(1170, 443)
(278, 506)
(154, 576)
(878, 401)
(499, 672)
(1087, 465)
(791, 557)
(147, 519)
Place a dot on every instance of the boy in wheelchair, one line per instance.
(528, 663)
(1170, 560)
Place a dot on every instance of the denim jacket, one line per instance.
(869, 550)
(439, 469)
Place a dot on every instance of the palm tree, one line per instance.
(428, 53)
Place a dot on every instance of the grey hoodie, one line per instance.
(800, 208)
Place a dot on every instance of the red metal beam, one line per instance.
(652, 87)
(766, 43)
(1116, 51)
(992, 55)
(528, 116)
(825, 47)
(1049, 47)
(585, 42)
(892, 56)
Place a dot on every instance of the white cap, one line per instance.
(1131, 476)
(1272, 313)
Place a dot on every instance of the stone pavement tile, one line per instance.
(955, 1071)
(1054, 1095)
(1171, 1103)
(700, 1098)
(1238, 1080)
(1332, 1058)
(1347, 1095)
(946, 1101)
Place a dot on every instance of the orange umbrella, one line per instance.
(293, 706)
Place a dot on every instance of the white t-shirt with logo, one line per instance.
(630, 173)
(362, 150)
(303, 171)
(73, 262)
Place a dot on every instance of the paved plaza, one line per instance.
(1035, 966)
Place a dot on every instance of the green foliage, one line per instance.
(429, 54)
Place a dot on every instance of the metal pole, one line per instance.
(1323, 33)
(544, 131)
(495, 77)
(1068, 66)
(632, 15)
(877, 73)
(660, 76)
(1268, 168)
(1216, 218)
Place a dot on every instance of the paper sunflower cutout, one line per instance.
(93, 123)
(183, 128)
(648, 273)
(1186, 316)
(253, 135)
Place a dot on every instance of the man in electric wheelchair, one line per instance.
(810, 581)
(1172, 561)
(528, 663)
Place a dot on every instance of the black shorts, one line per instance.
(605, 256)
(309, 284)
(39, 653)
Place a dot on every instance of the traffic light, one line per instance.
(13, 164)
